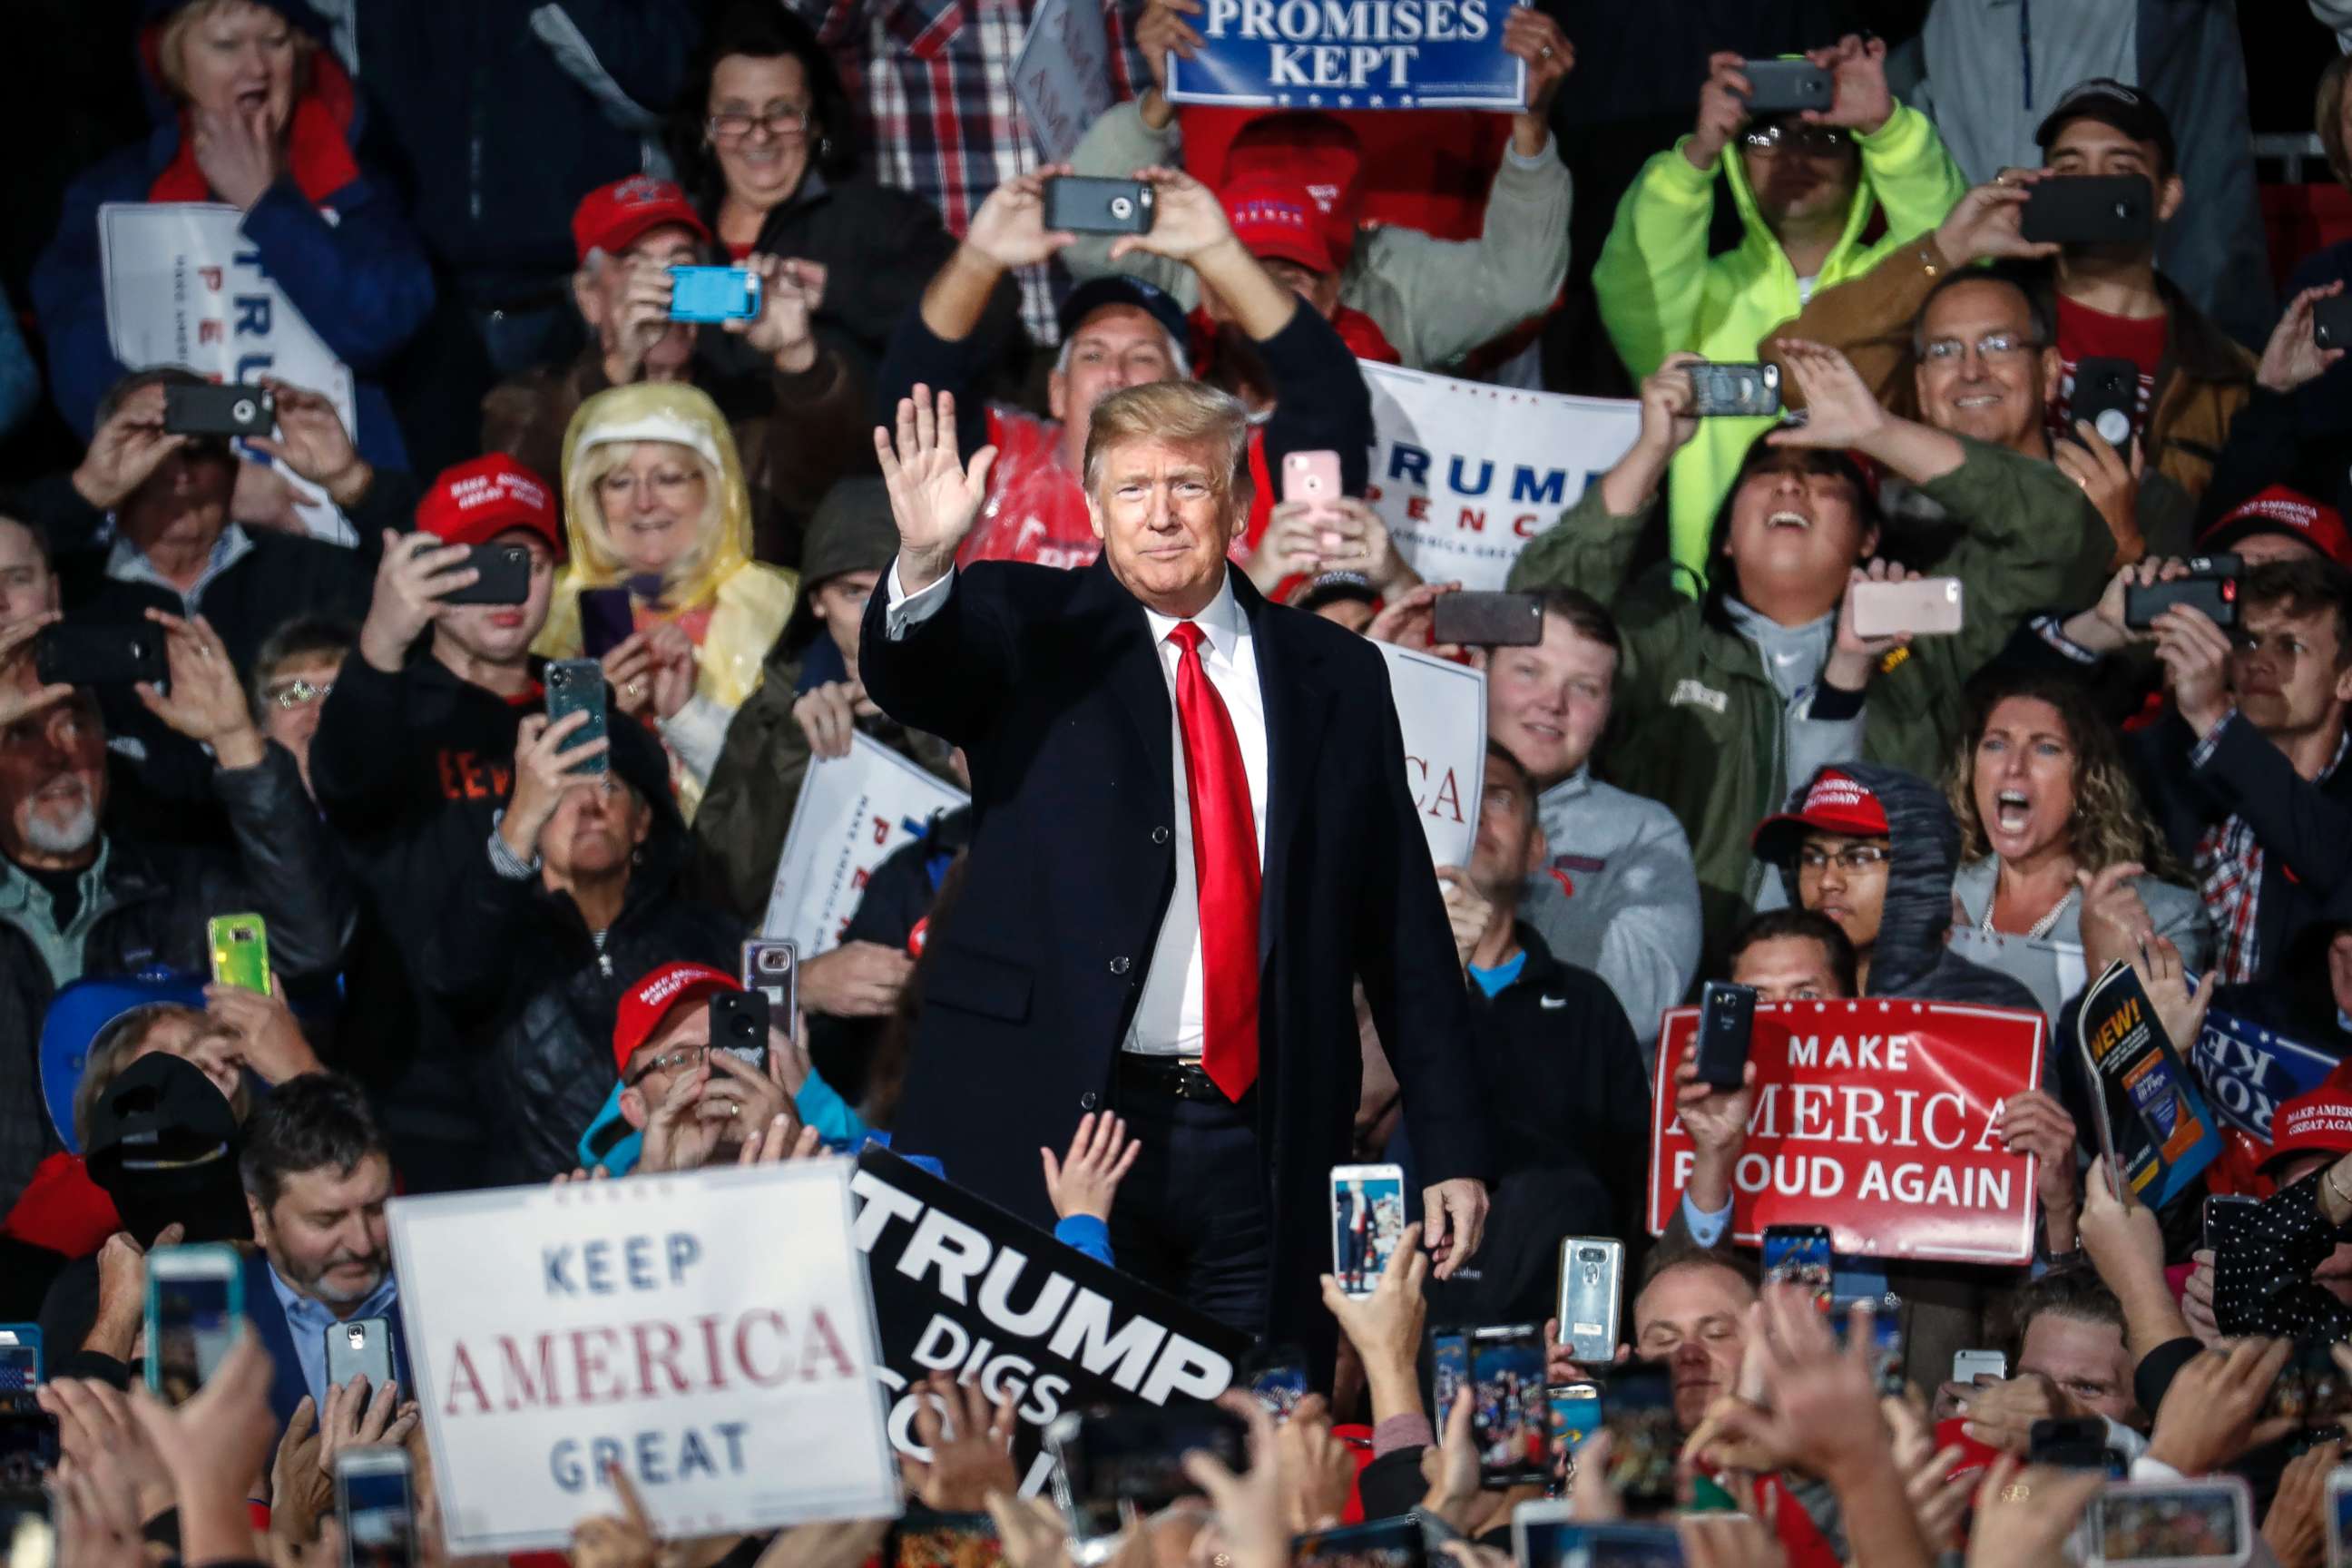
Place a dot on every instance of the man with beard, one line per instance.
(79, 897)
(316, 1175)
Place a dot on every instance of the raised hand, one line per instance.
(2116, 924)
(1010, 229)
(969, 1443)
(1851, 655)
(546, 769)
(2109, 478)
(1187, 218)
(311, 441)
(784, 331)
(1716, 1121)
(1086, 1180)
(416, 571)
(206, 701)
(126, 450)
(21, 691)
(1722, 110)
(2291, 357)
(1161, 31)
(1861, 100)
(1983, 224)
(237, 151)
(933, 496)
(1536, 39)
(828, 714)
(1839, 412)
(2195, 654)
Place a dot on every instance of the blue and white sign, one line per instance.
(1352, 53)
(2250, 1071)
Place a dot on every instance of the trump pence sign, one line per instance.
(1878, 1117)
(711, 1333)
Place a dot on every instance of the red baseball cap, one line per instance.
(1276, 218)
(1311, 150)
(482, 498)
(1837, 803)
(648, 1004)
(2316, 1121)
(2289, 513)
(611, 217)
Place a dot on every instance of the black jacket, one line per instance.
(1321, 403)
(522, 977)
(898, 897)
(1049, 681)
(154, 901)
(2304, 828)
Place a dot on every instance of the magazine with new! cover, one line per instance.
(2153, 1126)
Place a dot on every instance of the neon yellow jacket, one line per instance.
(1661, 293)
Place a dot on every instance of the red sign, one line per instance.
(1875, 1118)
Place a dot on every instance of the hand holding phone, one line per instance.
(713, 294)
(577, 685)
(232, 410)
(376, 1504)
(240, 947)
(1367, 1222)
(1082, 204)
(1915, 606)
(502, 576)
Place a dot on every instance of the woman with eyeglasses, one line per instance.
(2062, 870)
(766, 145)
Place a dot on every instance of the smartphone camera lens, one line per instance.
(242, 410)
(1122, 208)
(742, 1026)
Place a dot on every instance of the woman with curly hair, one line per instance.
(2050, 821)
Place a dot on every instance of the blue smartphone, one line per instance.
(20, 1357)
(577, 685)
(713, 293)
(195, 1303)
(1799, 1254)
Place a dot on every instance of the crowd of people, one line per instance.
(1009, 502)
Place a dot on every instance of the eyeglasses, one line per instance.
(684, 1059)
(296, 693)
(783, 125)
(1779, 138)
(1991, 346)
(1855, 858)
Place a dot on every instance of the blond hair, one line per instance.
(172, 43)
(1179, 413)
(709, 529)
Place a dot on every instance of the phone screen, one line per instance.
(1885, 1340)
(1382, 1543)
(1449, 1355)
(1367, 1220)
(2169, 1524)
(194, 1323)
(20, 1368)
(924, 1540)
(1799, 1254)
(28, 1446)
(1637, 1409)
(377, 1520)
(1510, 1418)
(2339, 1517)
(1574, 1415)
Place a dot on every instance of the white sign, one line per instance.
(1464, 474)
(1062, 77)
(1441, 707)
(712, 1333)
(853, 811)
(184, 288)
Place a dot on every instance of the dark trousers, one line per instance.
(1191, 1217)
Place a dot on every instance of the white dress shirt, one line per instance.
(1168, 1016)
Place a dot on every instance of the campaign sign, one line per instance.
(1441, 706)
(2249, 1071)
(710, 1333)
(1876, 1117)
(1464, 474)
(963, 1288)
(1352, 53)
(1063, 75)
(854, 812)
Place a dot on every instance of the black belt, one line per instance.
(1177, 1077)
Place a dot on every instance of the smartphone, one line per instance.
(505, 576)
(28, 1443)
(195, 1302)
(1510, 1413)
(2331, 321)
(1449, 1361)
(2089, 210)
(234, 410)
(1312, 478)
(577, 685)
(739, 1025)
(713, 294)
(1476, 619)
(360, 1348)
(1111, 1463)
(1719, 390)
(2106, 396)
(1573, 1413)
(1726, 1019)
(926, 1540)
(2204, 1523)
(2311, 1389)
(1799, 1254)
(774, 967)
(1367, 1221)
(2223, 1215)
(376, 1506)
(2212, 586)
(1637, 1410)
(1078, 205)
(608, 619)
(240, 945)
(1924, 606)
(1969, 1365)
(2339, 1517)
(20, 1357)
(1885, 1340)
(99, 653)
(2073, 1443)
(1381, 1543)
(1787, 87)
(1591, 1272)
(1276, 1379)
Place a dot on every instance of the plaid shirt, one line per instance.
(2230, 874)
(932, 83)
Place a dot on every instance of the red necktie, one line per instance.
(1225, 867)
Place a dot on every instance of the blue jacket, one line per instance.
(359, 281)
(287, 1388)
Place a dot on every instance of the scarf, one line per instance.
(318, 146)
